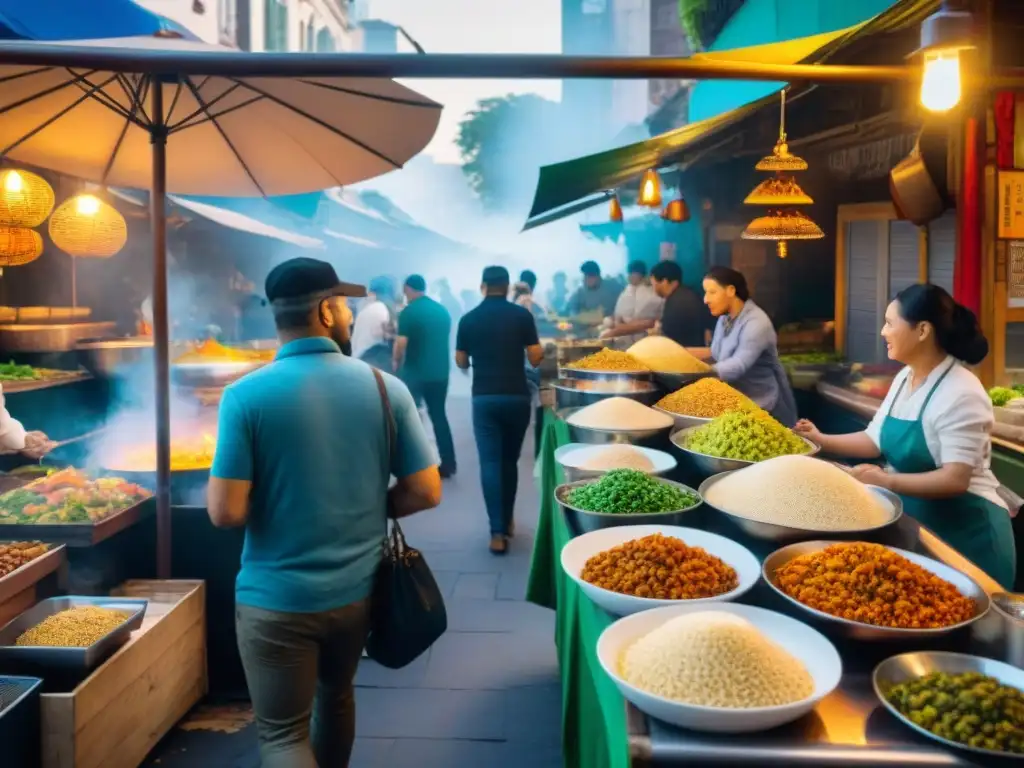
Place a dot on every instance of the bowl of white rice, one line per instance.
(726, 668)
(615, 420)
(580, 461)
(796, 498)
(579, 550)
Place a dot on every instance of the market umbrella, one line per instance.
(215, 135)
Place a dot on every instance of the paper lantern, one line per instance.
(25, 199)
(86, 226)
(19, 245)
(778, 191)
(650, 189)
(677, 211)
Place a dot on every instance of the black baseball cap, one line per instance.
(305, 279)
(495, 276)
(591, 269)
(416, 282)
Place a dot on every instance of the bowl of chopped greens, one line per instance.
(625, 497)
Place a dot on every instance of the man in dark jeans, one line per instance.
(421, 360)
(493, 338)
(303, 464)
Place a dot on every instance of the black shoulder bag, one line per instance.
(408, 614)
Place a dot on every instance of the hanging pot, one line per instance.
(917, 184)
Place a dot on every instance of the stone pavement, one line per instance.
(487, 694)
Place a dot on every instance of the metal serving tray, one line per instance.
(68, 660)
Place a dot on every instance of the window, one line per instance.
(594, 6)
(275, 19)
(302, 36)
(324, 41)
(308, 43)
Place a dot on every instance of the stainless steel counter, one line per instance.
(849, 727)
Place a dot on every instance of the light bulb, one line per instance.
(87, 205)
(940, 81)
(13, 182)
(650, 189)
(783, 248)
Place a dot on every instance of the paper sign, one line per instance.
(1011, 205)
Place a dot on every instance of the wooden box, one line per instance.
(119, 713)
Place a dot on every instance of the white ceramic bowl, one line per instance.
(576, 553)
(818, 655)
(573, 456)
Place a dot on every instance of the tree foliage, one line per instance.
(504, 141)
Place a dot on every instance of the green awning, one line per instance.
(562, 184)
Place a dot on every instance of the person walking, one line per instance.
(374, 330)
(494, 338)
(303, 462)
(421, 360)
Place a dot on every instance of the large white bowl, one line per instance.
(576, 553)
(573, 456)
(817, 654)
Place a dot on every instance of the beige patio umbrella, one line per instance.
(201, 135)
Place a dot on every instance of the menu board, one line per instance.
(1011, 205)
(1015, 273)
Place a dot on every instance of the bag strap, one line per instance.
(390, 440)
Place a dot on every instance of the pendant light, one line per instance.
(25, 198)
(781, 224)
(615, 209)
(19, 245)
(86, 226)
(677, 211)
(650, 189)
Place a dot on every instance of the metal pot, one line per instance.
(578, 393)
(1002, 632)
(584, 521)
(610, 436)
(107, 358)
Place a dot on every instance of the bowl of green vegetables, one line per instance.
(625, 497)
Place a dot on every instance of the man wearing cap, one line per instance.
(595, 299)
(421, 359)
(638, 307)
(493, 338)
(303, 463)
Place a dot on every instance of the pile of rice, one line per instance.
(620, 413)
(614, 457)
(660, 353)
(715, 659)
(800, 492)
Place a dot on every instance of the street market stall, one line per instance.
(849, 725)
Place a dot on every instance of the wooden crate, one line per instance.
(119, 713)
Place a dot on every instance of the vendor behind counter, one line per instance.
(934, 431)
(595, 299)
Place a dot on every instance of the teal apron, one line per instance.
(980, 530)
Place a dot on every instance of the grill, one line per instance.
(19, 721)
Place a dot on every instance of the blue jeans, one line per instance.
(499, 425)
(433, 394)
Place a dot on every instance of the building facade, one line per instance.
(200, 17)
(587, 31)
(282, 25)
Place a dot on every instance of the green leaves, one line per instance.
(630, 492)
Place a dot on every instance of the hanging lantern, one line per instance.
(25, 199)
(615, 209)
(19, 245)
(650, 189)
(86, 226)
(777, 192)
(780, 160)
(783, 226)
(677, 211)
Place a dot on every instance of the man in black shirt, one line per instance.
(492, 338)
(684, 318)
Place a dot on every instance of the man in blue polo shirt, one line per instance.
(496, 338)
(302, 462)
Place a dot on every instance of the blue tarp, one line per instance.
(80, 20)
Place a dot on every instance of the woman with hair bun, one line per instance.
(744, 347)
(934, 430)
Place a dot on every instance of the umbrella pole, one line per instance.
(161, 332)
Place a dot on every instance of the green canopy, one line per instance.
(562, 184)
